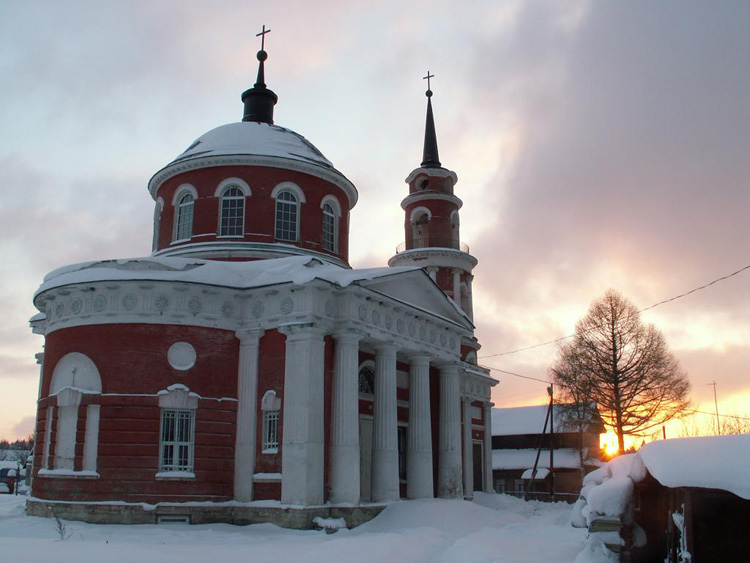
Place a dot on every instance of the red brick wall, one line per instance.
(259, 207)
(132, 360)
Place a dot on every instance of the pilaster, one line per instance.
(489, 483)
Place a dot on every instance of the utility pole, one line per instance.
(551, 441)
(716, 405)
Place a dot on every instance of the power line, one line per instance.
(519, 375)
(556, 340)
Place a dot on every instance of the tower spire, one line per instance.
(430, 157)
(259, 100)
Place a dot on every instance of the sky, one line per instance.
(597, 145)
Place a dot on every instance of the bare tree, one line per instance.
(624, 367)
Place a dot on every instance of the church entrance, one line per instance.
(477, 451)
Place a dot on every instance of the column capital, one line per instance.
(386, 347)
(301, 329)
(450, 366)
(247, 334)
(418, 358)
(347, 335)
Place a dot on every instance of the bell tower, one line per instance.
(432, 224)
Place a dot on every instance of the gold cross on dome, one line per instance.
(262, 36)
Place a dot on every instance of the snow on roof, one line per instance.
(252, 138)
(540, 474)
(713, 462)
(565, 458)
(525, 420)
(241, 275)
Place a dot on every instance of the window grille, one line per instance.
(176, 440)
(286, 216)
(232, 212)
(184, 224)
(367, 379)
(270, 431)
(329, 228)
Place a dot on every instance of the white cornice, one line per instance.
(330, 175)
(430, 195)
(378, 317)
(439, 172)
(245, 249)
(433, 256)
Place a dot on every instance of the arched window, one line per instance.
(420, 225)
(232, 221)
(329, 228)
(367, 378)
(287, 216)
(74, 375)
(157, 223)
(183, 229)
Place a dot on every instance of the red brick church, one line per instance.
(244, 372)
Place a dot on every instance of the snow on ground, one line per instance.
(493, 528)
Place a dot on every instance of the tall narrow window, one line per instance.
(232, 222)
(184, 223)
(329, 228)
(270, 432)
(176, 440)
(286, 216)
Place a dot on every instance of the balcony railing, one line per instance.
(433, 242)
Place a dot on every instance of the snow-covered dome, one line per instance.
(257, 139)
(254, 143)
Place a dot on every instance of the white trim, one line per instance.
(68, 474)
(334, 203)
(241, 184)
(430, 196)
(224, 187)
(158, 209)
(289, 186)
(328, 174)
(434, 172)
(182, 190)
(419, 210)
(177, 396)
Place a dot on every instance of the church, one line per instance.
(244, 372)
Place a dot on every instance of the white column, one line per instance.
(449, 453)
(385, 483)
(302, 449)
(247, 416)
(91, 438)
(469, 296)
(345, 420)
(419, 454)
(489, 482)
(468, 453)
(457, 287)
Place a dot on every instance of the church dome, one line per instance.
(255, 143)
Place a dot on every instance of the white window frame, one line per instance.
(168, 463)
(271, 432)
(334, 215)
(184, 214)
(299, 196)
(239, 197)
(158, 208)
(177, 400)
(270, 404)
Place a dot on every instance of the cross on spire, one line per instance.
(262, 36)
(427, 78)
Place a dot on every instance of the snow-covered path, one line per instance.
(494, 528)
